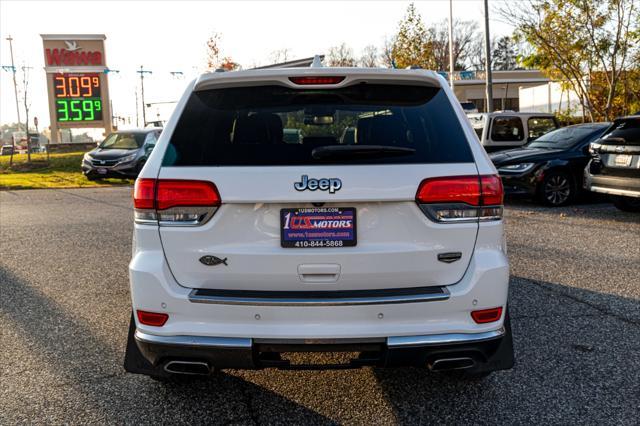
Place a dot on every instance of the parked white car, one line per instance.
(508, 129)
(389, 244)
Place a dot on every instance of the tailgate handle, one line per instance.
(449, 257)
(319, 272)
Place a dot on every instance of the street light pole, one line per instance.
(487, 57)
(15, 84)
(451, 64)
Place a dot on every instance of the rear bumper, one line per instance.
(489, 350)
(613, 185)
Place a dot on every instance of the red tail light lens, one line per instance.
(316, 80)
(492, 191)
(144, 193)
(186, 193)
(461, 198)
(174, 202)
(484, 316)
(460, 189)
(152, 318)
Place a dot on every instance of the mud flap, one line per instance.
(134, 361)
(502, 358)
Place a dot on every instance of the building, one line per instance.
(469, 86)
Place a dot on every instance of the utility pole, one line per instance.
(15, 84)
(451, 64)
(487, 58)
(142, 73)
(137, 110)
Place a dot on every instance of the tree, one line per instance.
(586, 44)
(369, 56)
(464, 34)
(413, 45)
(215, 58)
(387, 52)
(341, 56)
(280, 55)
(504, 55)
(213, 51)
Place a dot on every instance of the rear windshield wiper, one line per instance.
(359, 151)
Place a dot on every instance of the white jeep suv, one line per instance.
(388, 243)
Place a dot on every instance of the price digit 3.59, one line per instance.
(87, 107)
(75, 108)
(63, 109)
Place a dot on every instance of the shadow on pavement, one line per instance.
(575, 362)
(66, 358)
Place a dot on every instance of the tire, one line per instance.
(91, 178)
(557, 189)
(626, 204)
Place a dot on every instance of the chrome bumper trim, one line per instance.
(396, 342)
(196, 341)
(318, 301)
(614, 191)
(442, 339)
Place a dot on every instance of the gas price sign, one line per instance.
(77, 97)
(77, 83)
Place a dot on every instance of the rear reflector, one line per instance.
(152, 318)
(484, 316)
(316, 80)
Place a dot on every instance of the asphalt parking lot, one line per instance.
(64, 312)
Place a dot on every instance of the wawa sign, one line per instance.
(72, 55)
(76, 82)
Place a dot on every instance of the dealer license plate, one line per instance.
(622, 160)
(318, 227)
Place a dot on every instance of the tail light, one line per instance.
(173, 202)
(461, 198)
(484, 316)
(316, 80)
(152, 318)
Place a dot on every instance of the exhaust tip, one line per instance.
(443, 364)
(198, 368)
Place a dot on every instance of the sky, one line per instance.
(166, 36)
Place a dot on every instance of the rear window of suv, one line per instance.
(282, 126)
(625, 131)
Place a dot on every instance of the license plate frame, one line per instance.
(303, 221)
(622, 160)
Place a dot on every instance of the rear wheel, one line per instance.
(626, 204)
(557, 189)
